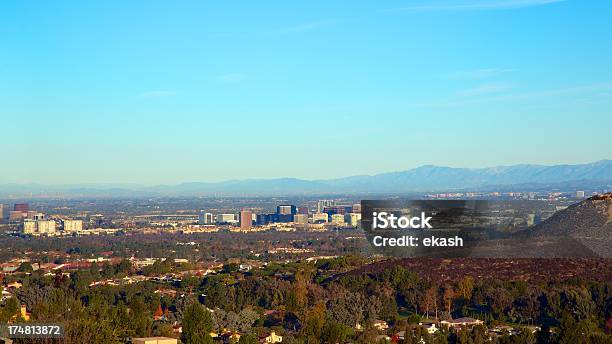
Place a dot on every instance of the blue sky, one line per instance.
(165, 92)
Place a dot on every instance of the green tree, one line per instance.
(248, 339)
(25, 267)
(124, 267)
(314, 323)
(10, 309)
(197, 325)
(334, 332)
(140, 320)
(466, 285)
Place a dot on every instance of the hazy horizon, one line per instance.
(136, 184)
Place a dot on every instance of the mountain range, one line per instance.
(426, 178)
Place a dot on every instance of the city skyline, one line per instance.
(152, 94)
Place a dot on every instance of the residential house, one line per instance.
(380, 325)
(461, 322)
(271, 338)
(429, 326)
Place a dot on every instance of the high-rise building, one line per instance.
(2, 215)
(321, 204)
(29, 226)
(16, 215)
(337, 219)
(38, 226)
(45, 226)
(337, 209)
(246, 219)
(286, 209)
(206, 219)
(73, 225)
(264, 219)
(356, 208)
(301, 219)
(580, 194)
(353, 219)
(302, 210)
(282, 218)
(22, 207)
(34, 215)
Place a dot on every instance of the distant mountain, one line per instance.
(242, 187)
(429, 177)
(420, 179)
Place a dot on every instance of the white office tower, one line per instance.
(73, 225)
(324, 203)
(38, 226)
(45, 226)
(29, 226)
(206, 219)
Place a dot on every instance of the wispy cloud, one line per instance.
(158, 94)
(596, 90)
(484, 89)
(304, 27)
(471, 5)
(287, 30)
(231, 77)
(591, 94)
(483, 73)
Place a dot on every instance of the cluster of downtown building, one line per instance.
(327, 213)
(36, 223)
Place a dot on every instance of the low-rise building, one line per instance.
(154, 340)
(462, 322)
(73, 225)
(320, 218)
(226, 218)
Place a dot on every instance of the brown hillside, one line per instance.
(589, 218)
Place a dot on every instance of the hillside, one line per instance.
(587, 223)
(539, 270)
(589, 218)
